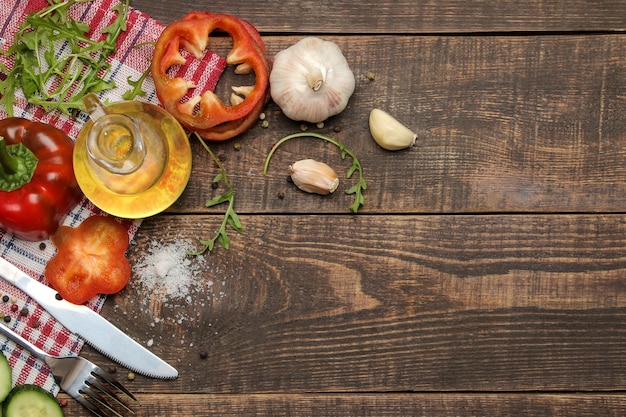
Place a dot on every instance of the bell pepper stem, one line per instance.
(8, 163)
(17, 165)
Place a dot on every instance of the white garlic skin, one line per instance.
(313, 176)
(389, 133)
(311, 80)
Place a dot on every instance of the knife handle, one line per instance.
(41, 293)
(23, 342)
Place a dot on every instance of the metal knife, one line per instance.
(91, 326)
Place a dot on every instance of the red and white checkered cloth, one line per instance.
(129, 61)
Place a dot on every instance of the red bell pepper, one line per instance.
(90, 259)
(37, 183)
(207, 114)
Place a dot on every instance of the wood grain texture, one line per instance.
(405, 16)
(394, 303)
(483, 277)
(505, 124)
(409, 405)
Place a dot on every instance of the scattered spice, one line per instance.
(237, 146)
(14, 307)
(42, 246)
(320, 125)
(5, 298)
(13, 299)
(130, 376)
(24, 312)
(204, 354)
(111, 369)
(7, 319)
(281, 195)
(370, 76)
(36, 324)
(265, 124)
(63, 402)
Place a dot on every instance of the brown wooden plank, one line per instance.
(372, 16)
(386, 405)
(391, 303)
(506, 124)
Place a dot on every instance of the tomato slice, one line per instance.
(206, 114)
(90, 259)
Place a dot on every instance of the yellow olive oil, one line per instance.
(128, 180)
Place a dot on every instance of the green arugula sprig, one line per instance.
(357, 189)
(137, 85)
(230, 217)
(77, 70)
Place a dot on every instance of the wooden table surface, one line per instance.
(486, 273)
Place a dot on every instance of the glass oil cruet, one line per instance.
(131, 159)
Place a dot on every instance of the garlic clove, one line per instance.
(313, 176)
(389, 133)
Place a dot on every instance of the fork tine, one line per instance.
(114, 383)
(105, 390)
(94, 398)
(89, 406)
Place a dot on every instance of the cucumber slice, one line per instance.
(31, 401)
(5, 377)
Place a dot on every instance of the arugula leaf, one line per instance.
(7, 88)
(357, 189)
(137, 85)
(79, 70)
(230, 217)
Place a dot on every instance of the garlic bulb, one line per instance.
(389, 133)
(314, 177)
(311, 80)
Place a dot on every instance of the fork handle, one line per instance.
(21, 341)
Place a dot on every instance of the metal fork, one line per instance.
(85, 382)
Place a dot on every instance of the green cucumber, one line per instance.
(31, 401)
(5, 377)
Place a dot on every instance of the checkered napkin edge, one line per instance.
(132, 58)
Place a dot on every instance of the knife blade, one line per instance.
(97, 331)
